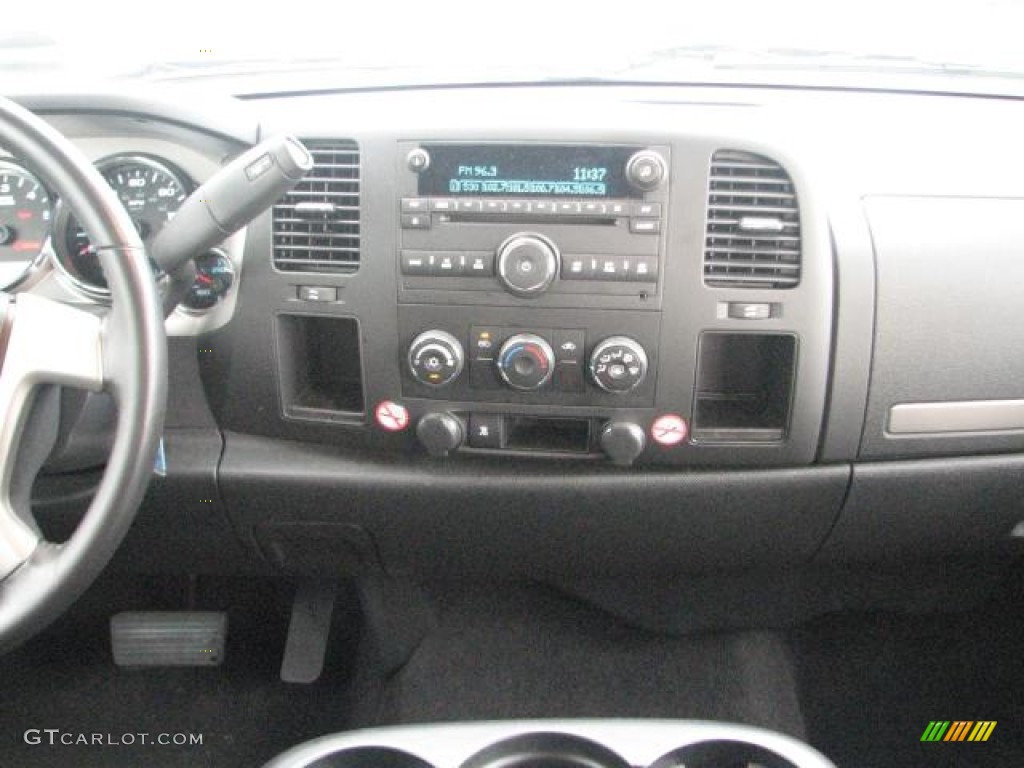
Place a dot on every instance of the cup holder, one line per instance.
(723, 754)
(370, 757)
(546, 750)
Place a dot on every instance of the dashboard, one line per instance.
(731, 326)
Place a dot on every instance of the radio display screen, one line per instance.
(517, 170)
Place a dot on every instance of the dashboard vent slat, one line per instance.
(753, 235)
(316, 224)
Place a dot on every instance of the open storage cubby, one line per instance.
(321, 367)
(744, 387)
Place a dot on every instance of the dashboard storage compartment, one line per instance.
(744, 386)
(320, 367)
(947, 376)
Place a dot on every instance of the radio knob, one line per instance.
(646, 170)
(527, 264)
(618, 365)
(526, 361)
(435, 358)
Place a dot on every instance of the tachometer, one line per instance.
(151, 191)
(25, 214)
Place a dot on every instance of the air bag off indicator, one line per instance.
(669, 430)
(391, 416)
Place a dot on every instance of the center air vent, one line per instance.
(316, 225)
(753, 235)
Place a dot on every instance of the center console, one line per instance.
(530, 277)
(642, 297)
(557, 744)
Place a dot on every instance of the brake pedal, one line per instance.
(168, 638)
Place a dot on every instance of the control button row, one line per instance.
(638, 269)
(448, 263)
(411, 206)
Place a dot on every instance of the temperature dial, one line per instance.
(526, 361)
(436, 358)
(618, 364)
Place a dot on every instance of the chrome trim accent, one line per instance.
(956, 416)
(639, 742)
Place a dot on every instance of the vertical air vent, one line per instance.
(753, 235)
(316, 225)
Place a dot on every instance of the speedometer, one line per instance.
(25, 213)
(150, 190)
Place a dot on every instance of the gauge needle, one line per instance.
(205, 279)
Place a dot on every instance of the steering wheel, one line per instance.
(45, 342)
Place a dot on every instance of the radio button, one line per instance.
(594, 209)
(546, 207)
(479, 264)
(469, 206)
(609, 268)
(519, 206)
(618, 209)
(645, 226)
(495, 206)
(415, 221)
(415, 263)
(568, 208)
(446, 264)
(645, 269)
(415, 205)
(574, 267)
(647, 209)
(442, 205)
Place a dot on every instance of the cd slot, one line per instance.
(505, 218)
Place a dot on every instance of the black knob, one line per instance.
(622, 441)
(618, 365)
(435, 358)
(526, 361)
(527, 264)
(646, 170)
(440, 433)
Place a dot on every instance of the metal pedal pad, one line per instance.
(168, 638)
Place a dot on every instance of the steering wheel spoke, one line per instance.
(41, 342)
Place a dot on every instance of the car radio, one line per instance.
(529, 280)
(531, 221)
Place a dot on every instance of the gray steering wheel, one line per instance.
(45, 342)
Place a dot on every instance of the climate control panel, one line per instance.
(501, 363)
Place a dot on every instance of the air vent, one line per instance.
(316, 225)
(753, 235)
